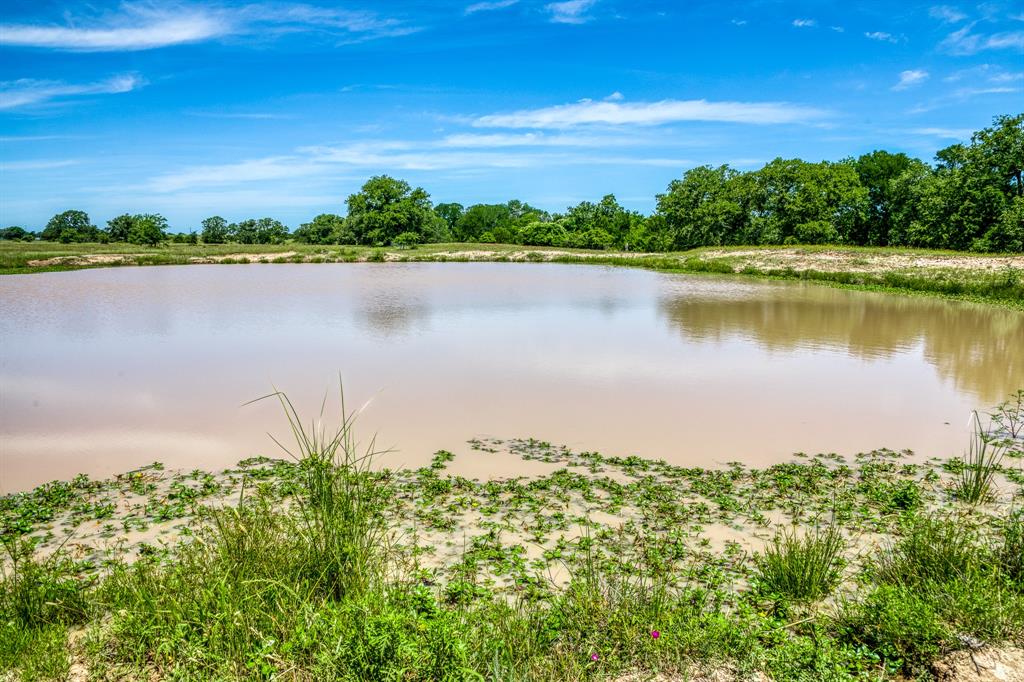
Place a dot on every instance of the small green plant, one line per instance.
(801, 568)
(975, 482)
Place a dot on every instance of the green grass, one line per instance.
(802, 568)
(981, 463)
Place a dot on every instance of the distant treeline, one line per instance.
(971, 198)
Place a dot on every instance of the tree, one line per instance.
(147, 229)
(450, 214)
(215, 230)
(878, 172)
(73, 226)
(16, 233)
(705, 208)
(326, 228)
(120, 227)
(480, 218)
(600, 225)
(385, 207)
(259, 231)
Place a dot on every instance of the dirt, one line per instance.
(247, 257)
(984, 665)
(92, 259)
(853, 261)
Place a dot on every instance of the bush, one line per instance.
(899, 625)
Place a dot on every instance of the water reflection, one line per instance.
(979, 348)
(104, 370)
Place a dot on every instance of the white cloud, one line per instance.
(140, 26)
(387, 156)
(838, 29)
(570, 11)
(489, 6)
(805, 23)
(964, 42)
(738, 22)
(947, 14)
(910, 78)
(614, 97)
(881, 36)
(36, 164)
(137, 28)
(26, 91)
(649, 113)
(945, 133)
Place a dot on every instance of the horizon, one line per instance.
(284, 109)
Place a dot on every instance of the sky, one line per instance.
(283, 109)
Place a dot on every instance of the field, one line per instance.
(989, 278)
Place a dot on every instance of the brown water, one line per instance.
(104, 370)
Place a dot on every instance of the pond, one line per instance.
(104, 370)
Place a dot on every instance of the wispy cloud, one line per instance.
(649, 113)
(944, 133)
(489, 6)
(805, 23)
(966, 42)
(738, 22)
(43, 164)
(911, 78)
(881, 36)
(570, 11)
(455, 153)
(26, 91)
(947, 14)
(138, 26)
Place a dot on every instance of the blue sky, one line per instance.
(284, 108)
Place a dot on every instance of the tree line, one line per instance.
(970, 198)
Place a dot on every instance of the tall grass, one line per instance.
(339, 516)
(976, 480)
(801, 568)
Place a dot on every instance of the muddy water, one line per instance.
(104, 370)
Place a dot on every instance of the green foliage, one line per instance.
(147, 229)
(1011, 550)
(899, 625)
(70, 226)
(15, 233)
(385, 208)
(258, 231)
(215, 230)
(325, 228)
(406, 240)
(803, 568)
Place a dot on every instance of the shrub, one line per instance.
(932, 550)
(899, 625)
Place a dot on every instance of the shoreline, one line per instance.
(985, 278)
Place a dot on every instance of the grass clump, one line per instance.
(976, 480)
(801, 568)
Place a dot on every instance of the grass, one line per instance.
(937, 273)
(981, 464)
(316, 567)
(802, 568)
